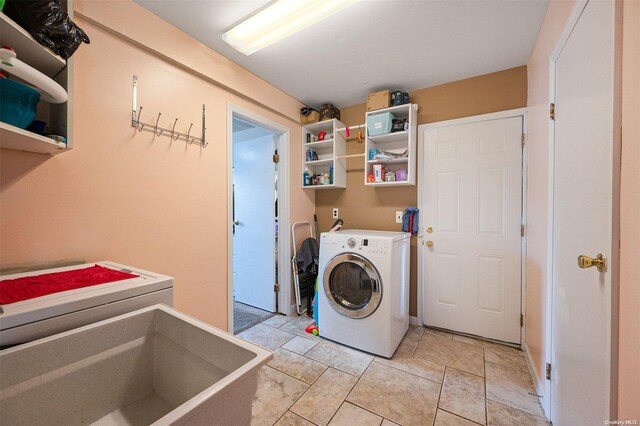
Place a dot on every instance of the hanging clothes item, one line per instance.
(410, 220)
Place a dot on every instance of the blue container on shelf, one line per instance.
(17, 103)
(379, 124)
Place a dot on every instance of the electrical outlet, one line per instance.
(399, 216)
(335, 213)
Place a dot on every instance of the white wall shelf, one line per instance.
(390, 161)
(389, 137)
(12, 137)
(57, 116)
(329, 153)
(29, 50)
(317, 145)
(394, 142)
(315, 163)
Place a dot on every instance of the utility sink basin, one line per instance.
(151, 366)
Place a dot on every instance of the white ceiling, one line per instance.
(372, 45)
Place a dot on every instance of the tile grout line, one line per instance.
(458, 414)
(444, 377)
(456, 368)
(462, 417)
(289, 411)
(503, 403)
(357, 382)
(298, 379)
(518, 409)
(345, 398)
(412, 374)
(486, 407)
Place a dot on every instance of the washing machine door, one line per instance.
(352, 285)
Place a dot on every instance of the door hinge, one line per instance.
(521, 320)
(276, 158)
(276, 288)
(522, 230)
(522, 140)
(552, 111)
(548, 371)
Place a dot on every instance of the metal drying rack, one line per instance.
(157, 130)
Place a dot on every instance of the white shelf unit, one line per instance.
(395, 142)
(57, 116)
(329, 153)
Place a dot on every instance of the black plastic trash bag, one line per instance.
(48, 23)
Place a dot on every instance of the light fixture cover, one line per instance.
(279, 20)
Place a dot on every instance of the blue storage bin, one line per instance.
(17, 103)
(379, 124)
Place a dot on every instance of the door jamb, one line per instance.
(283, 134)
(574, 17)
(518, 112)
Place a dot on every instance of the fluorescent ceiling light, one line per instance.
(279, 20)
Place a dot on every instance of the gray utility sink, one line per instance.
(151, 366)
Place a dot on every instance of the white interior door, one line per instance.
(254, 244)
(472, 213)
(582, 220)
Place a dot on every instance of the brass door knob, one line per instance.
(429, 243)
(599, 262)
(429, 230)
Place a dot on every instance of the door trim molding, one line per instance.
(476, 118)
(518, 112)
(283, 134)
(570, 24)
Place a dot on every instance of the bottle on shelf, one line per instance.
(307, 177)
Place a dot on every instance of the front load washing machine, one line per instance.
(363, 294)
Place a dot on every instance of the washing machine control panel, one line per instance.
(367, 245)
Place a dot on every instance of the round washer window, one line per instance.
(352, 285)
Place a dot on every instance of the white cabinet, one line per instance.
(57, 116)
(327, 168)
(397, 149)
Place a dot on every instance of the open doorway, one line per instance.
(257, 189)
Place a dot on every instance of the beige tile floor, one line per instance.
(434, 378)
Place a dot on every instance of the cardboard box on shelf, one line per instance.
(378, 100)
(328, 112)
(313, 117)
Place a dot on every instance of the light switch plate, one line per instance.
(335, 213)
(399, 216)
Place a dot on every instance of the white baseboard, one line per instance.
(538, 385)
(414, 321)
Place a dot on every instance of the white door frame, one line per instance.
(519, 112)
(545, 399)
(284, 247)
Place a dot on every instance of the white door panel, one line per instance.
(254, 254)
(582, 220)
(472, 199)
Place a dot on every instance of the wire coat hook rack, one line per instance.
(136, 113)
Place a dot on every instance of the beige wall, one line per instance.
(629, 337)
(537, 194)
(629, 314)
(374, 208)
(127, 196)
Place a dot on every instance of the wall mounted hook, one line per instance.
(189, 133)
(139, 125)
(173, 130)
(156, 128)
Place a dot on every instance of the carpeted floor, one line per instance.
(245, 316)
